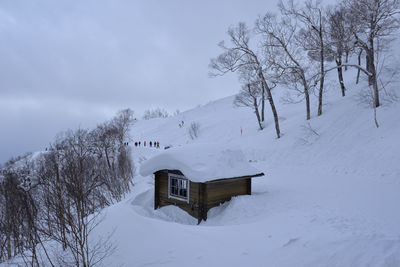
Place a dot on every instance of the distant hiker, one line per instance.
(182, 123)
(139, 143)
(241, 131)
(144, 143)
(151, 144)
(135, 143)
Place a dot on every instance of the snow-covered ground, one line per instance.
(330, 195)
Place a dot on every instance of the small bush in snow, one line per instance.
(194, 130)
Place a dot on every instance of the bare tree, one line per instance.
(59, 195)
(376, 22)
(340, 39)
(18, 212)
(108, 141)
(123, 122)
(286, 54)
(71, 181)
(240, 56)
(360, 51)
(312, 34)
(248, 97)
(251, 93)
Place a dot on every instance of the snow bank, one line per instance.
(143, 205)
(201, 162)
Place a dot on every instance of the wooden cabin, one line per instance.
(199, 177)
(197, 198)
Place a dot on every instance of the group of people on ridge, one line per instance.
(156, 144)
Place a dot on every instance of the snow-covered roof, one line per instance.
(201, 162)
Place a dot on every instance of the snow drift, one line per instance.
(201, 162)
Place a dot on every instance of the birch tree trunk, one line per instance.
(271, 102)
(340, 75)
(359, 64)
(262, 102)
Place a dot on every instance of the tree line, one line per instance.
(295, 48)
(56, 197)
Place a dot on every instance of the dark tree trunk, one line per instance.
(257, 113)
(376, 89)
(369, 67)
(9, 255)
(307, 95)
(340, 75)
(255, 106)
(8, 226)
(359, 64)
(262, 102)
(372, 79)
(322, 62)
(307, 103)
(321, 91)
(271, 102)
(321, 82)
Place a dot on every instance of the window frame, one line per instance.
(178, 177)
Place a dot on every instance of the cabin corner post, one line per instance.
(248, 182)
(202, 203)
(156, 191)
(199, 204)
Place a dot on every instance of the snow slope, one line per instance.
(330, 195)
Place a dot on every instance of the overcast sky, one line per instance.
(69, 64)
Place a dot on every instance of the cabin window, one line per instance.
(178, 187)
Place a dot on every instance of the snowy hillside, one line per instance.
(330, 196)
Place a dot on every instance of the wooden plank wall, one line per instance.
(161, 194)
(221, 191)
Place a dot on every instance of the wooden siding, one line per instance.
(202, 196)
(221, 191)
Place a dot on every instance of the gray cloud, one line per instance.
(66, 64)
